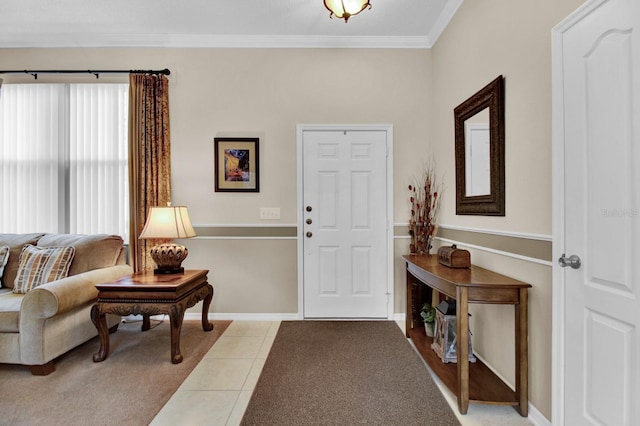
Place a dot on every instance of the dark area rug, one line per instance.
(345, 373)
(128, 388)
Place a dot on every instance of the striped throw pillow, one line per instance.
(40, 265)
(4, 258)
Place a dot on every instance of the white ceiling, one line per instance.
(219, 23)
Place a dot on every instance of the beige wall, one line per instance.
(263, 93)
(267, 92)
(485, 39)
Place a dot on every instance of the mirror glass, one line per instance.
(477, 155)
(479, 147)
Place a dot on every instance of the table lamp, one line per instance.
(168, 223)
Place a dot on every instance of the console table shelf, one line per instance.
(484, 385)
(470, 382)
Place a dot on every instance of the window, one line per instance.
(63, 158)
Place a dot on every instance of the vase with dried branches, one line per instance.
(424, 204)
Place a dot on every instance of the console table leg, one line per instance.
(522, 353)
(462, 330)
(408, 323)
(100, 321)
(206, 325)
(176, 315)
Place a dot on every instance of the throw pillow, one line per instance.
(16, 242)
(4, 258)
(42, 265)
(92, 251)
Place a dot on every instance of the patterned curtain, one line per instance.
(149, 158)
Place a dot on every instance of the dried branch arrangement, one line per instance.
(424, 200)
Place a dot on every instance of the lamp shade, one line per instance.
(168, 222)
(344, 9)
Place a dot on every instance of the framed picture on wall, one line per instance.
(236, 164)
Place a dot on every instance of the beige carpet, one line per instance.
(128, 388)
(345, 373)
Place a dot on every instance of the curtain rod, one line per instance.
(34, 73)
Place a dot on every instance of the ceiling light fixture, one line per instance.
(346, 8)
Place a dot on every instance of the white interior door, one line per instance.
(597, 130)
(345, 270)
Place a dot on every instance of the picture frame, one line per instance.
(236, 164)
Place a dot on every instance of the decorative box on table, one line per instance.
(444, 340)
(453, 257)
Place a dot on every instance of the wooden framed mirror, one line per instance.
(479, 152)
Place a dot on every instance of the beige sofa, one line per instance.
(49, 320)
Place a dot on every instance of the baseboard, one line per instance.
(243, 316)
(536, 417)
(399, 317)
(262, 317)
(494, 371)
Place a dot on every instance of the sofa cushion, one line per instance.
(41, 265)
(4, 258)
(15, 243)
(92, 251)
(9, 310)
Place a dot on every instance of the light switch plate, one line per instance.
(272, 213)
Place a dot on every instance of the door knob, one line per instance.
(309, 208)
(572, 261)
(309, 234)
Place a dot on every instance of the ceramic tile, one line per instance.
(239, 408)
(273, 330)
(248, 328)
(254, 374)
(235, 347)
(196, 408)
(218, 374)
(492, 415)
(223, 382)
(265, 348)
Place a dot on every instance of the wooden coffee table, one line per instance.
(145, 293)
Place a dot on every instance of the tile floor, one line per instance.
(218, 390)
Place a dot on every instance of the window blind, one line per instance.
(63, 158)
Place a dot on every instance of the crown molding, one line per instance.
(62, 40)
(445, 10)
(450, 9)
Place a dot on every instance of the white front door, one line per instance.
(597, 215)
(344, 203)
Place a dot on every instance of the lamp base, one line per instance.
(169, 257)
(165, 271)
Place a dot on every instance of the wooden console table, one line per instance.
(473, 285)
(145, 293)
